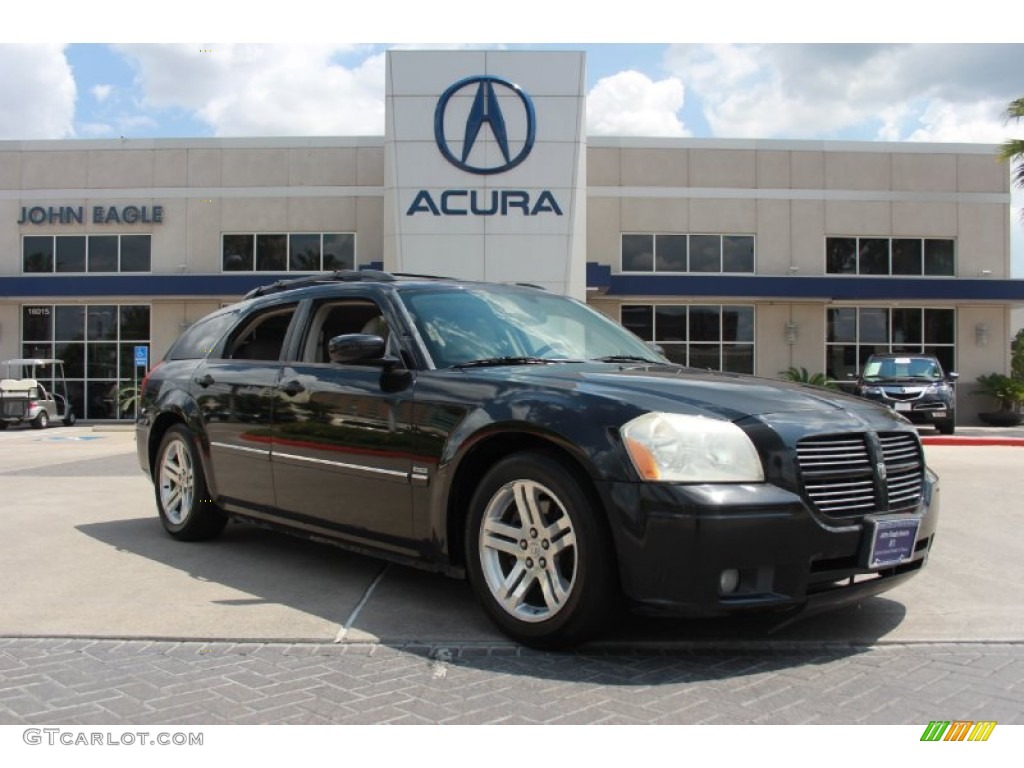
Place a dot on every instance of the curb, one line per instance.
(1017, 442)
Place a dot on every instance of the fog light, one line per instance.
(728, 581)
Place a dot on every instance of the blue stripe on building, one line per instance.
(824, 288)
(599, 277)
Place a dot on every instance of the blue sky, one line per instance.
(944, 78)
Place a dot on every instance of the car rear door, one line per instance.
(235, 395)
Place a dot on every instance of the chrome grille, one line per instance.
(904, 470)
(840, 476)
(914, 394)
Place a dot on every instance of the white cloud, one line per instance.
(946, 121)
(920, 92)
(39, 101)
(101, 92)
(260, 90)
(631, 104)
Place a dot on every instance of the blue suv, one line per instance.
(913, 385)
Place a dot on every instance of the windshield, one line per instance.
(915, 368)
(492, 323)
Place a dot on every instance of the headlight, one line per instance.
(691, 449)
(872, 390)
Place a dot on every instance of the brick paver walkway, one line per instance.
(78, 682)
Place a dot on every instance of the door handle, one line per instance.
(292, 388)
(205, 380)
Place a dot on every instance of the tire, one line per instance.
(538, 553)
(3, 425)
(182, 497)
(69, 419)
(41, 421)
(947, 426)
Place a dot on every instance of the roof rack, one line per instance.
(341, 275)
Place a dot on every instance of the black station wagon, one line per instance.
(522, 440)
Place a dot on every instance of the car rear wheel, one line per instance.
(538, 553)
(69, 419)
(182, 497)
(41, 421)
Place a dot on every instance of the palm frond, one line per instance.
(1015, 111)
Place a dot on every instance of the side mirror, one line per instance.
(851, 375)
(952, 376)
(360, 348)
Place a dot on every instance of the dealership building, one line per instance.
(742, 255)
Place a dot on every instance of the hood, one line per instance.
(687, 390)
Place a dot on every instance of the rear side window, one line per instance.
(199, 340)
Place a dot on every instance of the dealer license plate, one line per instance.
(904, 407)
(892, 542)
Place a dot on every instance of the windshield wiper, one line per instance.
(511, 360)
(625, 359)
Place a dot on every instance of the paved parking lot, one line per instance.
(104, 618)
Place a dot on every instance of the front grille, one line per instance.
(850, 475)
(894, 395)
(904, 470)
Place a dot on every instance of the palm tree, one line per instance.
(1012, 150)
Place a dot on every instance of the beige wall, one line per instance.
(10, 330)
(791, 199)
(206, 188)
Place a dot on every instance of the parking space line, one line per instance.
(343, 630)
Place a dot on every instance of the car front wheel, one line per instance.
(947, 426)
(539, 555)
(182, 497)
(42, 421)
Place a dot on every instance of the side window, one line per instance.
(199, 340)
(262, 337)
(334, 318)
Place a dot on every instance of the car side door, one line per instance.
(234, 394)
(342, 433)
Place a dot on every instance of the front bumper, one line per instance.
(922, 410)
(675, 541)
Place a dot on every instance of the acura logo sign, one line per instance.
(485, 116)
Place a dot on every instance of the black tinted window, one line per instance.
(262, 337)
(199, 340)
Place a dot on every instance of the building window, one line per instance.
(715, 337)
(715, 254)
(855, 333)
(295, 252)
(897, 256)
(86, 253)
(97, 344)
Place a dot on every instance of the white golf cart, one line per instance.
(35, 391)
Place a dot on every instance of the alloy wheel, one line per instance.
(528, 551)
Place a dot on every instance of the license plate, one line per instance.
(904, 407)
(939, 414)
(892, 542)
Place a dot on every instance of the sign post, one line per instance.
(141, 361)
